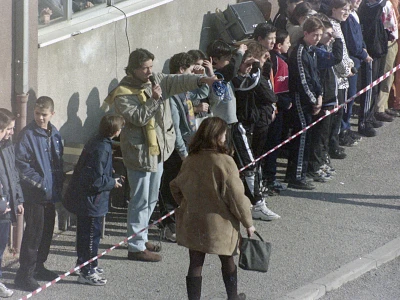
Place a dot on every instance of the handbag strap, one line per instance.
(259, 236)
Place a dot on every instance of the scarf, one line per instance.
(150, 126)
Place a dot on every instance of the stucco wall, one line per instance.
(6, 54)
(79, 72)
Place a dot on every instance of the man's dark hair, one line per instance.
(301, 10)
(197, 55)
(281, 35)
(218, 49)
(180, 60)
(263, 30)
(324, 19)
(110, 124)
(45, 102)
(6, 117)
(137, 58)
(312, 24)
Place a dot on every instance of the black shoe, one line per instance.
(393, 112)
(301, 185)
(376, 123)
(41, 273)
(337, 154)
(346, 140)
(26, 284)
(367, 130)
(384, 117)
(355, 136)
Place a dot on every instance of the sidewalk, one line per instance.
(320, 232)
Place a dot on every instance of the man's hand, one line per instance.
(202, 107)
(157, 92)
(250, 231)
(20, 209)
(207, 64)
(198, 69)
(118, 183)
(317, 107)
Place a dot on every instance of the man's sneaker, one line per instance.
(170, 232)
(383, 117)
(355, 136)
(275, 187)
(5, 292)
(319, 176)
(301, 185)
(346, 140)
(99, 271)
(328, 169)
(91, 279)
(260, 211)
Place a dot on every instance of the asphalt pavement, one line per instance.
(325, 238)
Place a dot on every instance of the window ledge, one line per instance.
(88, 21)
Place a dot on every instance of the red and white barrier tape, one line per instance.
(362, 91)
(93, 259)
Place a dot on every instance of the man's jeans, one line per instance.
(143, 198)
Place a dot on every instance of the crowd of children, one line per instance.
(293, 72)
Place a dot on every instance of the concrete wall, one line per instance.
(79, 72)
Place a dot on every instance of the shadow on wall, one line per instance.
(74, 131)
(71, 131)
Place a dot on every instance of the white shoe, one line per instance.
(92, 279)
(262, 212)
(5, 292)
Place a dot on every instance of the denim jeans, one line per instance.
(4, 234)
(143, 198)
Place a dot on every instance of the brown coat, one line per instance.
(211, 203)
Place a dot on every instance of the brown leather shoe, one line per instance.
(145, 255)
(152, 247)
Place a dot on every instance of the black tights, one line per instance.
(197, 262)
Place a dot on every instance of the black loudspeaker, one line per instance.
(238, 21)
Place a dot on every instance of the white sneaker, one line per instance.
(5, 292)
(328, 169)
(170, 232)
(262, 212)
(92, 279)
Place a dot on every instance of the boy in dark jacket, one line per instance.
(252, 90)
(306, 90)
(10, 189)
(39, 161)
(88, 193)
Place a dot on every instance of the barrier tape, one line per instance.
(93, 259)
(362, 91)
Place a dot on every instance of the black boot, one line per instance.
(193, 287)
(230, 281)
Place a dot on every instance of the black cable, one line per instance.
(126, 28)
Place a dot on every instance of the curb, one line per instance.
(346, 273)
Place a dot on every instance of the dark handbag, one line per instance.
(254, 254)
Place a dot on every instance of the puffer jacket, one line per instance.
(40, 164)
(134, 143)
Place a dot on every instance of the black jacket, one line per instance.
(304, 75)
(89, 189)
(9, 177)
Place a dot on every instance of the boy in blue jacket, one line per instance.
(10, 189)
(88, 193)
(39, 161)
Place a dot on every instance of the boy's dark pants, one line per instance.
(300, 146)
(167, 202)
(4, 234)
(35, 247)
(88, 233)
